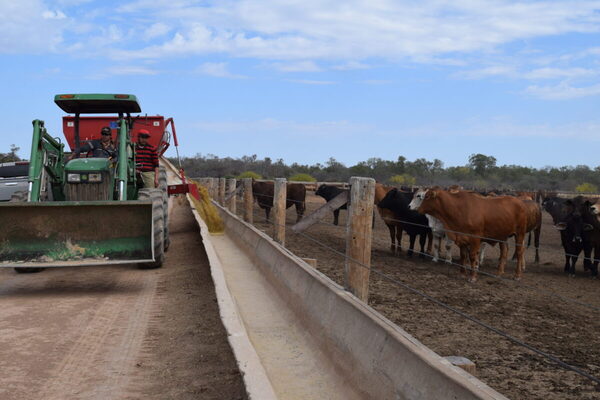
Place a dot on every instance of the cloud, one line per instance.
(356, 30)
(53, 15)
(156, 30)
(562, 91)
(311, 82)
(351, 65)
(131, 70)
(29, 27)
(218, 70)
(300, 66)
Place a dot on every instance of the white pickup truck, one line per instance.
(13, 177)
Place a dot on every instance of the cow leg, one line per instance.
(422, 239)
(482, 247)
(572, 266)
(411, 246)
(594, 265)
(474, 256)
(392, 230)
(300, 207)
(448, 249)
(336, 216)
(464, 256)
(398, 239)
(503, 256)
(430, 243)
(520, 249)
(437, 243)
(267, 212)
(567, 262)
(536, 243)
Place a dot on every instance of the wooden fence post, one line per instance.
(279, 200)
(248, 200)
(231, 187)
(358, 237)
(212, 188)
(221, 192)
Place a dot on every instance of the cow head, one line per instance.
(595, 208)
(573, 227)
(417, 199)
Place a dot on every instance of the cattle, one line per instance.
(470, 219)
(295, 194)
(581, 223)
(388, 218)
(411, 222)
(328, 192)
(566, 215)
(438, 232)
(534, 223)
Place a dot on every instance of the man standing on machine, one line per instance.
(146, 159)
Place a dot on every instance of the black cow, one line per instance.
(567, 217)
(411, 221)
(295, 194)
(591, 233)
(329, 192)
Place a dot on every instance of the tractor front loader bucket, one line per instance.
(58, 234)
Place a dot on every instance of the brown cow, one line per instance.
(389, 218)
(296, 194)
(478, 219)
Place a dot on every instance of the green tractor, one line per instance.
(90, 210)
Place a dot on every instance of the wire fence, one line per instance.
(377, 271)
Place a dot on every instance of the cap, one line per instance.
(143, 133)
(105, 130)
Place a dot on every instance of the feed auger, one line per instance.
(88, 210)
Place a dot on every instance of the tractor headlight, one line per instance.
(74, 178)
(95, 178)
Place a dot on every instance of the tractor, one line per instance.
(84, 211)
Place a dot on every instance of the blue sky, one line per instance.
(308, 80)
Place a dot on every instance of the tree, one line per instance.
(11, 156)
(481, 163)
(586, 188)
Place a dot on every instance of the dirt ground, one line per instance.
(118, 332)
(527, 310)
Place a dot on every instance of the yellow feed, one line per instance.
(208, 212)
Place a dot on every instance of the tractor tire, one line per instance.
(162, 185)
(158, 223)
(21, 196)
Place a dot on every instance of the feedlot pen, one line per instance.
(530, 310)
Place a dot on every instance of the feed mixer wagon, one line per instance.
(82, 211)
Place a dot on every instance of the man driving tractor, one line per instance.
(104, 148)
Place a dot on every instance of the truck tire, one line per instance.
(21, 196)
(162, 185)
(158, 223)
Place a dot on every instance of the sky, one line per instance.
(306, 80)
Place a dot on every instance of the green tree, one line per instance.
(11, 156)
(481, 163)
(403, 179)
(249, 174)
(586, 188)
(302, 178)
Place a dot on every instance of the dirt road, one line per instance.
(118, 332)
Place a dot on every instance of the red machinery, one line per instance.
(160, 138)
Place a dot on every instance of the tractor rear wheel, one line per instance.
(158, 223)
(162, 185)
(21, 196)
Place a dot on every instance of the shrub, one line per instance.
(249, 174)
(302, 178)
(403, 179)
(586, 188)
